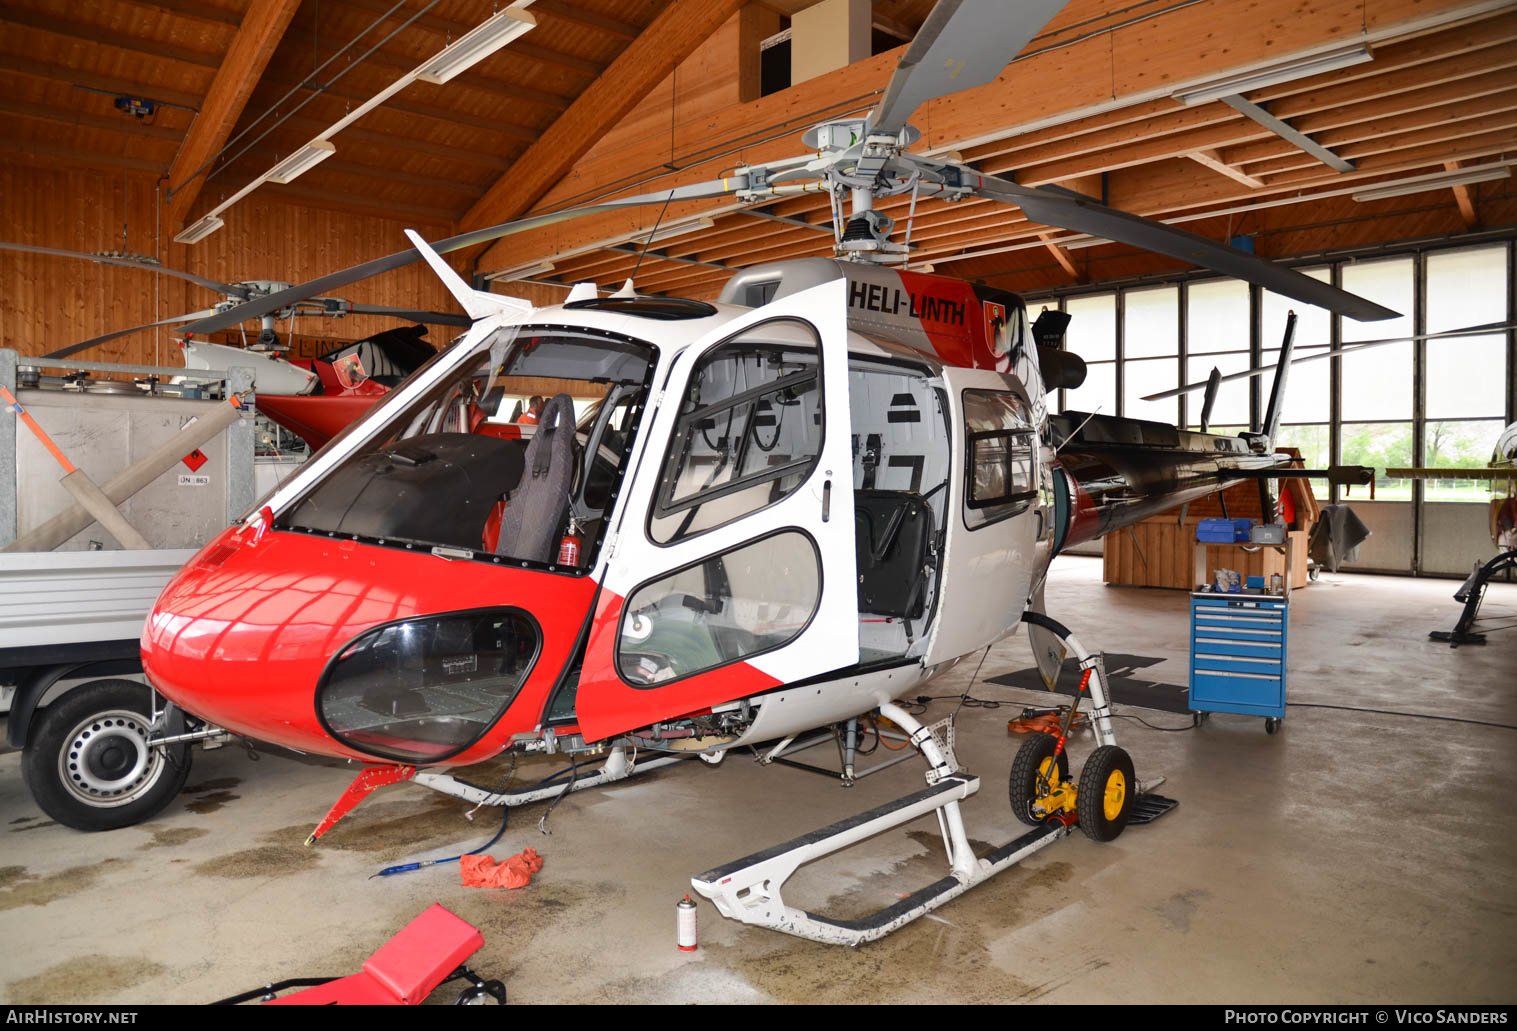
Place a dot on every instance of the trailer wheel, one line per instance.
(87, 762)
(1105, 798)
(1032, 759)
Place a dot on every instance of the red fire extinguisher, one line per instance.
(568, 548)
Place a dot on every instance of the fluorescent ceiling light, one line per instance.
(1274, 75)
(511, 275)
(1074, 245)
(300, 162)
(200, 230)
(476, 45)
(1435, 181)
(674, 229)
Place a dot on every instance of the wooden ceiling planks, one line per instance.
(1095, 106)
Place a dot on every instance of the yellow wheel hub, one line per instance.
(1116, 793)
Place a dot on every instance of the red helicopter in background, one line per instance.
(733, 522)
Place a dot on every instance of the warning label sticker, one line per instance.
(194, 481)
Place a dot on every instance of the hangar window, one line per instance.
(999, 442)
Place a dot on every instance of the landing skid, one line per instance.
(1471, 593)
(749, 889)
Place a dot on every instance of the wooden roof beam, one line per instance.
(1157, 116)
(672, 37)
(1452, 125)
(1061, 256)
(1264, 157)
(1463, 199)
(1406, 80)
(1212, 160)
(246, 58)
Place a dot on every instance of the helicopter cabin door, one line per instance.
(995, 513)
(732, 568)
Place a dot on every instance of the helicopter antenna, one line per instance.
(649, 242)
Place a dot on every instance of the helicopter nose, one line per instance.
(357, 650)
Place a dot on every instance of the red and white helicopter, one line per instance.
(784, 510)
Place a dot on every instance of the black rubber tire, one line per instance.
(1090, 804)
(87, 764)
(1271, 724)
(1024, 774)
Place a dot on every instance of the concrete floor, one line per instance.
(1353, 857)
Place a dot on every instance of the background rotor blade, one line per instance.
(72, 349)
(961, 45)
(107, 259)
(439, 318)
(1082, 215)
(1349, 347)
(260, 306)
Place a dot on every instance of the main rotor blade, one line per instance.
(72, 349)
(1082, 215)
(1349, 347)
(260, 306)
(440, 318)
(107, 259)
(961, 45)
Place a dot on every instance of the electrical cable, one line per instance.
(964, 698)
(505, 813)
(542, 823)
(1408, 715)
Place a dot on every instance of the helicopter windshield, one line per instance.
(514, 448)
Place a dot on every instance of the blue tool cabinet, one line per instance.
(1237, 655)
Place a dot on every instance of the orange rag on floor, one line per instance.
(485, 872)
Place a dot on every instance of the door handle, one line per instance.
(826, 500)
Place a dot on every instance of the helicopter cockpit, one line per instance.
(451, 470)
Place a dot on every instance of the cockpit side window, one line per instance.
(999, 479)
(749, 431)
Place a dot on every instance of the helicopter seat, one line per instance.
(535, 511)
(891, 532)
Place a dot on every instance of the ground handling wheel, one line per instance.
(88, 764)
(1031, 779)
(1107, 789)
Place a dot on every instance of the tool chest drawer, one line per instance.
(1238, 654)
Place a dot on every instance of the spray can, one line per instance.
(685, 914)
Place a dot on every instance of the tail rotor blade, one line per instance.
(1082, 215)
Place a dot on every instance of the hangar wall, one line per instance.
(50, 302)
